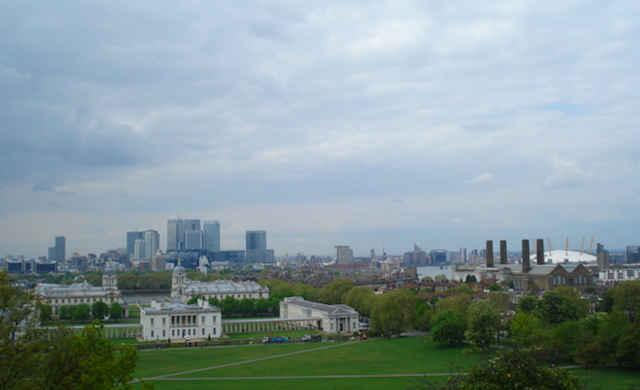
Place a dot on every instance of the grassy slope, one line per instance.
(388, 356)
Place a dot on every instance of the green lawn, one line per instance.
(373, 357)
(257, 336)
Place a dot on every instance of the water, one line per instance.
(434, 270)
(144, 298)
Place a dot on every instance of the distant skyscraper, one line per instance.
(175, 234)
(343, 254)
(140, 249)
(61, 249)
(152, 243)
(463, 255)
(256, 239)
(256, 245)
(131, 242)
(191, 225)
(211, 235)
(193, 239)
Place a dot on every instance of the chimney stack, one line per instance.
(504, 258)
(540, 251)
(526, 257)
(489, 262)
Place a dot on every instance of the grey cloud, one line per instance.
(46, 185)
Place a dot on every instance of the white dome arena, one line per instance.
(562, 256)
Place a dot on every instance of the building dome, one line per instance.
(563, 256)
(109, 269)
(178, 268)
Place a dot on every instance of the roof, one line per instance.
(224, 287)
(179, 307)
(563, 256)
(329, 309)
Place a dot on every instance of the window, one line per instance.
(214, 330)
(152, 321)
(214, 319)
(151, 333)
(164, 333)
(189, 332)
(203, 331)
(203, 319)
(173, 332)
(164, 321)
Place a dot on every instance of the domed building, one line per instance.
(183, 289)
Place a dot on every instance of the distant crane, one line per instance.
(76, 253)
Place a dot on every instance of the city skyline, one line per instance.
(368, 124)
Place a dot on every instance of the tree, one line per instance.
(448, 326)
(459, 303)
(63, 313)
(463, 288)
(527, 331)
(87, 361)
(334, 292)
(471, 279)
(361, 299)
(441, 278)
(115, 311)
(527, 304)
(99, 310)
(393, 313)
(424, 314)
(59, 359)
(554, 309)
(627, 298)
(482, 323)
(82, 312)
(45, 312)
(628, 351)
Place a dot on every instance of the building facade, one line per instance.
(326, 318)
(183, 289)
(180, 321)
(211, 235)
(56, 295)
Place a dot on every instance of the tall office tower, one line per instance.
(152, 243)
(61, 249)
(140, 249)
(193, 239)
(175, 234)
(463, 255)
(343, 254)
(211, 235)
(191, 225)
(256, 239)
(131, 242)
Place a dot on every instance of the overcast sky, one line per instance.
(361, 123)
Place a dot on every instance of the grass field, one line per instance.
(257, 336)
(288, 363)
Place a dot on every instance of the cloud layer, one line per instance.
(336, 123)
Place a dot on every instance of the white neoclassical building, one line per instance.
(326, 318)
(180, 321)
(58, 295)
(183, 289)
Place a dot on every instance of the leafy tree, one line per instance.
(448, 326)
(627, 298)
(127, 281)
(471, 279)
(494, 288)
(63, 313)
(393, 313)
(564, 337)
(45, 312)
(424, 314)
(628, 351)
(459, 303)
(99, 310)
(87, 361)
(527, 304)
(334, 292)
(230, 306)
(554, 308)
(607, 302)
(82, 312)
(247, 306)
(441, 278)
(463, 288)
(94, 278)
(61, 359)
(116, 311)
(482, 322)
(575, 296)
(361, 299)
(18, 337)
(427, 279)
(527, 331)
(262, 306)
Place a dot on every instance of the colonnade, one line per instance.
(267, 325)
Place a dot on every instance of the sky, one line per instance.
(371, 124)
